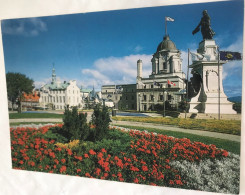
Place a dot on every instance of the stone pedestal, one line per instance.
(205, 63)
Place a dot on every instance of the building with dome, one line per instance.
(165, 83)
(167, 80)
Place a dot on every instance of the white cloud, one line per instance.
(115, 70)
(138, 48)
(233, 67)
(26, 27)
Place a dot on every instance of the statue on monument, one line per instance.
(206, 30)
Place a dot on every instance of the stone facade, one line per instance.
(57, 95)
(123, 96)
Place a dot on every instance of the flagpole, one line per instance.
(187, 94)
(165, 27)
(218, 84)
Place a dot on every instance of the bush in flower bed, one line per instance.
(129, 156)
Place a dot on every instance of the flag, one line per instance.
(171, 83)
(228, 55)
(169, 19)
(156, 83)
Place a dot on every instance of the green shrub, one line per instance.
(101, 120)
(75, 125)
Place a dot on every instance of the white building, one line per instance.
(57, 95)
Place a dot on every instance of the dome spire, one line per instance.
(53, 75)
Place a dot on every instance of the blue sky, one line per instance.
(103, 47)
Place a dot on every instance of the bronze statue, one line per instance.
(207, 32)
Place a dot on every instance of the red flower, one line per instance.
(136, 180)
(69, 152)
(79, 170)
(171, 182)
(63, 169)
(153, 184)
(57, 161)
(63, 160)
(103, 150)
(178, 182)
(86, 155)
(21, 162)
(98, 171)
(87, 174)
(92, 152)
(58, 149)
(119, 174)
(144, 168)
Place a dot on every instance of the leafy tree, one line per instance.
(17, 84)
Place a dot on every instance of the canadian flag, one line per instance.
(171, 83)
(169, 19)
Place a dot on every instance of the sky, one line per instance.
(102, 48)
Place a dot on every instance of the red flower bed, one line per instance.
(146, 161)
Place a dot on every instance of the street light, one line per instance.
(139, 101)
(164, 99)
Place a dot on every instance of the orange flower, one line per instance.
(63, 160)
(92, 152)
(79, 170)
(63, 169)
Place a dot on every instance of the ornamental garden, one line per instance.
(99, 150)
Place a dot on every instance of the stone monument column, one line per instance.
(206, 64)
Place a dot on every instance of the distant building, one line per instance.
(30, 101)
(57, 95)
(123, 96)
(166, 82)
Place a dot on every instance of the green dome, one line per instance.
(166, 44)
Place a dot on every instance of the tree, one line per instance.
(17, 84)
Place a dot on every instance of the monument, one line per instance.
(207, 73)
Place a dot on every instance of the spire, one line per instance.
(53, 75)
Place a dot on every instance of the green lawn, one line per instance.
(34, 115)
(219, 126)
(230, 146)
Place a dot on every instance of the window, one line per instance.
(120, 97)
(144, 86)
(60, 99)
(132, 106)
(126, 98)
(151, 86)
(132, 98)
(132, 90)
(169, 97)
(144, 97)
(152, 97)
(57, 99)
(54, 99)
(161, 97)
(64, 99)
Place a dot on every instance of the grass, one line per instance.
(219, 126)
(34, 115)
(230, 146)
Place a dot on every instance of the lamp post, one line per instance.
(139, 101)
(164, 105)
